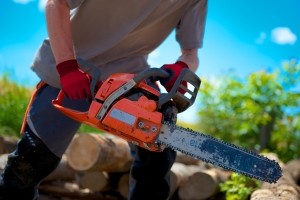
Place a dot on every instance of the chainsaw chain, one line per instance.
(275, 164)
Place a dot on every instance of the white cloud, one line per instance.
(42, 4)
(283, 35)
(261, 38)
(22, 1)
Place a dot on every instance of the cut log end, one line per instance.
(83, 158)
(95, 152)
(200, 185)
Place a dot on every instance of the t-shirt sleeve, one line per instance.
(74, 3)
(190, 30)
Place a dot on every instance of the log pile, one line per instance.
(286, 188)
(97, 167)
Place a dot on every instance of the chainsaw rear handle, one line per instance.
(183, 96)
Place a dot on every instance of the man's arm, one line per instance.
(190, 57)
(74, 82)
(59, 30)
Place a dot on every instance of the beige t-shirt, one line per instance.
(117, 35)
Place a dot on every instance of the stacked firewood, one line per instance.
(286, 188)
(100, 164)
(97, 167)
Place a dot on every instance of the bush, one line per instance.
(239, 187)
(13, 103)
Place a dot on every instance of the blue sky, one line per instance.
(241, 35)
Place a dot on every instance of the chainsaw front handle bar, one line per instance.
(182, 96)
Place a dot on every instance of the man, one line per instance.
(115, 36)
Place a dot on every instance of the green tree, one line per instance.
(260, 112)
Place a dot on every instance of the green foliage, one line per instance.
(261, 112)
(13, 103)
(88, 129)
(239, 187)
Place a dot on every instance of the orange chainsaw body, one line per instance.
(136, 121)
(127, 107)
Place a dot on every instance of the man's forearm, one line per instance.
(190, 57)
(59, 30)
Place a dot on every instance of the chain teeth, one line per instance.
(274, 163)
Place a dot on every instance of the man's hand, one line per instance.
(74, 82)
(174, 70)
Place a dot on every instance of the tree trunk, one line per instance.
(95, 152)
(265, 132)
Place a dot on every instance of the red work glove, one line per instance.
(174, 70)
(74, 82)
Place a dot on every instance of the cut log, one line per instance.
(70, 190)
(95, 152)
(95, 181)
(285, 188)
(200, 185)
(3, 161)
(293, 167)
(63, 172)
(180, 173)
(185, 159)
(7, 144)
(123, 186)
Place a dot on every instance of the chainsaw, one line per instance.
(126, 106)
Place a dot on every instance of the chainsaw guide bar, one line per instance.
(219, 153)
